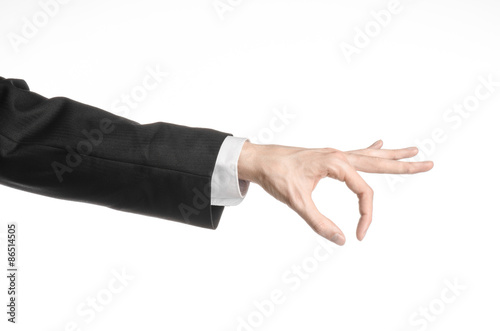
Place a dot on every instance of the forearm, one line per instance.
(65, 149)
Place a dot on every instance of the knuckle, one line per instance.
(337, 156)
(329, 150)
(319, 227)
(407, 168)
(340, 155)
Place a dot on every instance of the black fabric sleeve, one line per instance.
(64, 149)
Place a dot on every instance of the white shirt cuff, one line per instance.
(227, 189)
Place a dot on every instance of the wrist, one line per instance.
(248, 166)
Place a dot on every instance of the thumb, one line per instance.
(320, 223)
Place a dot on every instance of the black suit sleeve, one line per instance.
(65, 149)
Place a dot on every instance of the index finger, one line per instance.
(364, 192)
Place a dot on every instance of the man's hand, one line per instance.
(290, 174)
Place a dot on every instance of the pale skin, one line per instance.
(290, 174)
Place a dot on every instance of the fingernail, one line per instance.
(338, 239)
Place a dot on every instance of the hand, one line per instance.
(290, 174)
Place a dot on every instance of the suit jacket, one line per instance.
(64, 149)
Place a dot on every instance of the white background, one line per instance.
(230, 73)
